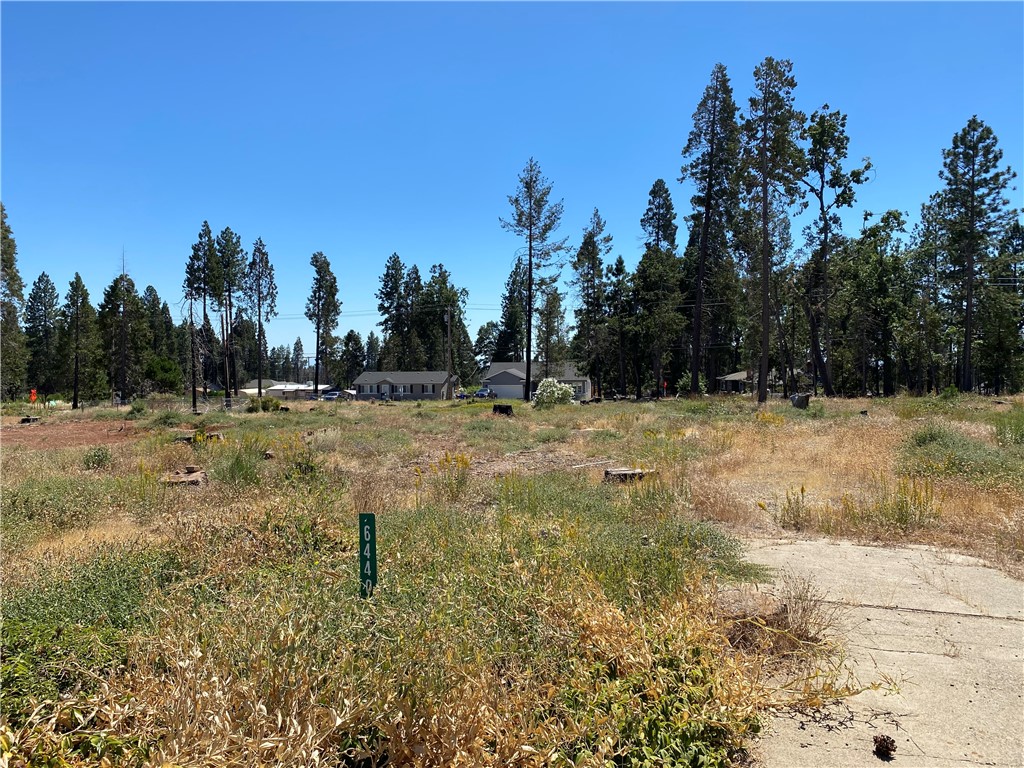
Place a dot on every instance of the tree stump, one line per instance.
(191, 475)
(624, 475)
(800, 400)
(502, 410)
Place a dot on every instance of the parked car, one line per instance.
(485, 392)
(331, 395)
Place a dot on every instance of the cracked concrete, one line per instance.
(947, 628)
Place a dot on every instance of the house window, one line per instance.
(428, 389)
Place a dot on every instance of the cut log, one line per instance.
(29, 419)
(624, 475)
(191, 476)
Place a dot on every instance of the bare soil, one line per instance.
(65, 434)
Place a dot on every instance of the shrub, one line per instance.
(550, 392)
(1010, 427)
(264, 404)
(97, 458)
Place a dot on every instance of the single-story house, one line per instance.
(405, 385)
(285, 390)
(507, 379)
(736, 382)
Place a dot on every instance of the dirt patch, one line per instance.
(66, 434)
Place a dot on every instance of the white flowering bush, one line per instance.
(550, 392)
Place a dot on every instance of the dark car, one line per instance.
(485, 392)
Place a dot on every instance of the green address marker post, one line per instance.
(367, 554)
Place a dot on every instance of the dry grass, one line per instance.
(527, 613)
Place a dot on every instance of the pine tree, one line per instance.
(486, 344)
(13, 355)
(621, 311)
(657, 321)
(372, 352)
(352, 361)
(41, 310)
(225, 279)
(197, 287)
(510, 344)
(151, 305)
(535, 218)
(259, 291)
(80, 345)
(1000, 352)
(772, 165)
(322, 309)
(712, 150)
(832, 188)
(125, 337)
(976, 212)
(552, 334)
(298, 361)
(394, 313)
(591, 311)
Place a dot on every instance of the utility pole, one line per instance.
(451, 386)
(195, 352)
(122, 377)
(227, 381)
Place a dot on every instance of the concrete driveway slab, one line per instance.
(947, 628)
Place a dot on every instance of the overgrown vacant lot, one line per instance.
(527, 612)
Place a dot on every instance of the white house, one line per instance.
(508, 379)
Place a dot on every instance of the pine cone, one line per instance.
(884, 745)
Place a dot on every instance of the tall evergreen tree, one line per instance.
(552, 334)
(712, 152)
(259, 292)
(621, 310)
(486, 344)
(535, 219)
(657, 320)
(152, 305)
(80, 345)
(322, 309)
(298, 361)
(510, 344)
(125, 336)
(226, 278)
(41, 312)
(832, 188)
(197, 288)
(372, 352)
(1000, 352)
(394, 313)
(352, 360)
(772, 164)
(13, 355)
(976, 213)
(591, 311)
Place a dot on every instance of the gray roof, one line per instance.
(561, 371)
(402, 377)
(738, 376)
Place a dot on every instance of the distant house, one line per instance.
(287, 390)
(507, 379)
(404, 385)
(736, 382)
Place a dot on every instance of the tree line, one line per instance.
(876, 311)
(880, 310)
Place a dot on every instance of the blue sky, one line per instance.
(362, 129)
